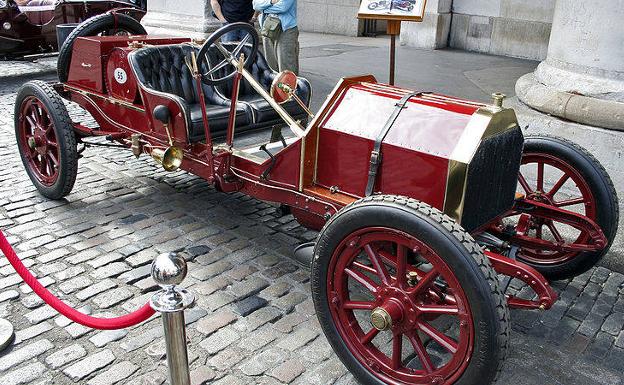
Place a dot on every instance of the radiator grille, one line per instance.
(492, 178)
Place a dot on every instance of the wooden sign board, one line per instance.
(408, 10)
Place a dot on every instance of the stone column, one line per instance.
(582, 78)
(433, 31)
(192, 18)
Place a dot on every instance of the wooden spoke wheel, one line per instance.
(46, 139)
(400, 302)
(562, 174)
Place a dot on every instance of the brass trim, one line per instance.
(103, 97)
(487, 121)
(381, 319)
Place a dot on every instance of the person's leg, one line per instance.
(270, 54)
(288, 50)
(230, 36)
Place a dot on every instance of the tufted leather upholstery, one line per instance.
(263, 114)
(163, 69)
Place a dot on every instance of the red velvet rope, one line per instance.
(93, 322)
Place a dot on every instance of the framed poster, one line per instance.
(408, 10)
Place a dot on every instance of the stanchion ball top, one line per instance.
(169, 269)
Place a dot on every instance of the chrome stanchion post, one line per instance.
(168, 271)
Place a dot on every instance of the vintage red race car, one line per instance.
(30, 26)
(427, 205)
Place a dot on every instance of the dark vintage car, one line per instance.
(29, 26)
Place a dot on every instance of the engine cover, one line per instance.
(459, 156)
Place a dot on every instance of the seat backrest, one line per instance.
(163, 68)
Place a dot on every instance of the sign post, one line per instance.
(394, 12)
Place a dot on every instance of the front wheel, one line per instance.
(405, 296)
(45, 139)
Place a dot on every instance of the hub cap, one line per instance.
(38, 141)
(399, 308)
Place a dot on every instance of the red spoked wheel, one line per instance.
(38, 141)
(45, 139)
(397, 306)
(560, 173)
(399, 289)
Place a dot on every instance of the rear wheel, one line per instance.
(46, 140)
(405, 296)
(104, 24)
(563, 174)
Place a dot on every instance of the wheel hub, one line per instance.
(381, 319)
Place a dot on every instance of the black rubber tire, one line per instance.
(461, 253)
(91, 27)
(607, 206)
(63, 129)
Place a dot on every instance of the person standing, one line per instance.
(281, 51)
(234, 11)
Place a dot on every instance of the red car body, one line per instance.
(31, 28)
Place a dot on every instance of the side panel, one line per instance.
(343, 163)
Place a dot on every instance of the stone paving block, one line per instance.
(88, 365)
(112, 297)
(215, 322)
(75, 284)
(249, 305)
(105, 337)
(614, 324)
(105, 260)
(202, 375)
(65, 356)
(226, 358)
(326, 373)
(248, 287)
(76, 330)
(219, 340)
(211, 270)
(136, 274)
(40, 314)
(45, 282)
(69, 273)
(260, 338)
(95, 289)
(31, 301)
(23, 375)
(216, 300)
(288, 371)
(297, 339)
(31, 332)
(9, 295)
(212, 285)
(111, 270)
(288, 302)
(24, 354)
(114, 374)
(258, 318)
(262, 362)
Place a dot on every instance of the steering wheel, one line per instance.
(209, 71)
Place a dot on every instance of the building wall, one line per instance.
(516, 28)
(329, 16)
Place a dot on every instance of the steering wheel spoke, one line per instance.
(214, 47)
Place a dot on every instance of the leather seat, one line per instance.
(163, 69)
(263, 114)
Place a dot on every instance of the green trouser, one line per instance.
(283, 53)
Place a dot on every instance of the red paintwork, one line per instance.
(118, 83)
(412, 308)
(512, 268)
(34, 28)
(537, 250)
(346, 170)
(90, 58)
(35, 124)
(323, 171)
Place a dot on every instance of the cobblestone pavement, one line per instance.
(254, 323)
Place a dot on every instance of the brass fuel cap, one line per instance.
(381, 319)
